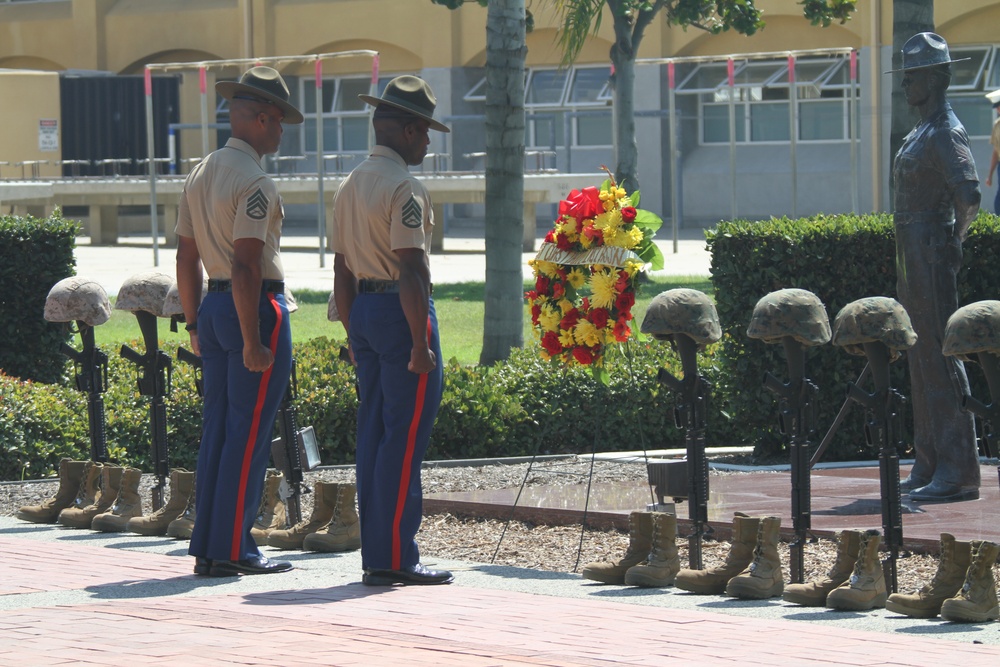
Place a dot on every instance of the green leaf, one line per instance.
(635, 198)
(601, 374)
(648, 220)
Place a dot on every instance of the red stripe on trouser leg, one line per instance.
(404, 480)
(234, 551)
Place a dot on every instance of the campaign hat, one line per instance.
(412, 95)
(263, 84)
(925, 49)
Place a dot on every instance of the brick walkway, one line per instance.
(121, 622)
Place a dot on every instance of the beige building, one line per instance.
(829, 130)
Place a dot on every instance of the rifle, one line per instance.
(294, 452)
(690, 410)
(91, 366)
(883, 410)
(797, 419)
(154, 381)
(194, 361)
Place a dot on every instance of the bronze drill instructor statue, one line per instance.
(936, 198)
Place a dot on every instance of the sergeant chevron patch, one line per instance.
(257, 205)
(413, 213)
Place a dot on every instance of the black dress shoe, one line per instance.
(202, 565)
(910, 483)
(412, 575)
(942, 492)
(256, 565)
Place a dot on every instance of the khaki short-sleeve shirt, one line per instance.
(995, 135)
(380, 208)
(229, 196)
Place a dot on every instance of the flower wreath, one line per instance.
(600, 241)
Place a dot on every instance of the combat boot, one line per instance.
(82, 517)
(662, 564)
(741, 548)
(866, 588)
(182, 527)
(343, 533)
(763, 577)
(70, 476)
(976, 602)
(87, 493)
(181, 488)
(127, 504)
(947, 582)
(640, 536)
(814, 593)
(271, 514)
(324, 501)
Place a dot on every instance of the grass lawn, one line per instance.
(459, 308)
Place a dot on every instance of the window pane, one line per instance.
(594, 130)
(716, 123)
(756, 74)
(587, 85)
(769, 122)
(477, 93)
(331, 140)
(975, 113)
(705, 77)
(355, 133)
(546, 87)
(347, 99)
(809, 71)
(821, 120)
(965, 74)
(545, 130)
(308, 98)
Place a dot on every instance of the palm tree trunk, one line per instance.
(504, 292)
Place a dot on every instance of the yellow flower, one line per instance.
(566, 305)
(633, 267)
(566, 338)
(602, 284)
(549, 318)
(577, 278)
(550, 269)
(586, 241)
(586, 333)
(631, 239)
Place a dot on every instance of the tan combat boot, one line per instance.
(976, 602)
(640, 536)
(947, 582)
(343, 533)
(662, 564)
(324, 501)
(82, 517)
(127, 504)
(763, 577)
(866, 588)
(813, 594)
(181, 488)
(271, 513)
(713, 581)
(87, 494)
(70, 476)
(182, 527)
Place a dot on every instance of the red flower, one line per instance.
(622, 331)
(551, 236)
(550, 341)
(625, 301)
(558, 290)
(583, 355)
(562, 242)
(628, 213)
(570, 319)
(599, 317)
(594, 233)
(542, 284)
(536, 310)
(622, 283)
(582, 204)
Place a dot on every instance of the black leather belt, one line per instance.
(227, 286)
(371, 286)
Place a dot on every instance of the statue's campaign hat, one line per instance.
(994, 98)
(412, 95)
(925, 49)
(262, 84)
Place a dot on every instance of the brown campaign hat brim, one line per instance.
(375, 101)
(230, 88)
(910, 69)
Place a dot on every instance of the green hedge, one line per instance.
(518, 408)
(840, 259)
(35, 254)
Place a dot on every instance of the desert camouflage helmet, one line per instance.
(145, 291)
(682, 311)
(77, 299)
(874, 319)
(172, 302)
(290, 301)
(972, 329)
(790, 312)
